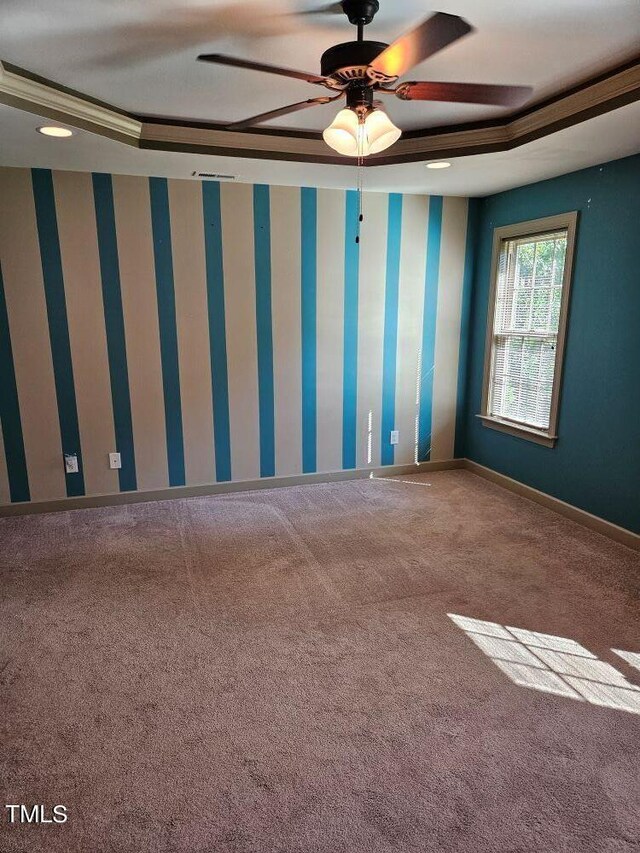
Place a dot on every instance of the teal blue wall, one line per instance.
(595, 464)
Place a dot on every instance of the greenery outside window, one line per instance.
(529, 298)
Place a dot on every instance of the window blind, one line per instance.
(525, 328)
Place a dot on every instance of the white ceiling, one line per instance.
(140, 54)
(607, 137)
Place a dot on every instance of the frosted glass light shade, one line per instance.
(349, 136)
(342, 133)
(381, 131)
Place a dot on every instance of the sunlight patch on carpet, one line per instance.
(551, 664)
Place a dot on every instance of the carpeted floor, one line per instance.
(280, 671)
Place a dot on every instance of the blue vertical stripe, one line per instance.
(161, 228)
(390, 349)
(434, 236)
(309, 248)
(10, 411)
(217, 334)
(350, 348)
(465, 319)
(264, 329)
(114, 327)
(51, 260)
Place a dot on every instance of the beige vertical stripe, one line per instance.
(413, 254)
(5, 497)
(140, 308)
(83, 294)
(187, 242)
(285, 310)
(371, 291)
(330, 327)
(447, 344)
(240, 316)
(26, 307)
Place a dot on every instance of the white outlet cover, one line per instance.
(395, 436)
(70, 463)
(114, 460)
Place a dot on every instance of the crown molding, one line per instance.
(35, 95)
(228, 143)
(608, 91)
(594, 97)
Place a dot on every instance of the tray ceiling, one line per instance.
(139, 55)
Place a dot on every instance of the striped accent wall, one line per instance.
(213, 332)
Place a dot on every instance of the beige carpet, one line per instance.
(361, 666)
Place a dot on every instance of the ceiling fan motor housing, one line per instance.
(349, 61)
(360, 11)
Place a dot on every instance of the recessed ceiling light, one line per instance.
(58, 132)
(438, 164)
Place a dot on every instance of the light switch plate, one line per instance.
(114, 460)
(395, 436)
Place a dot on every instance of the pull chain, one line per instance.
(360, 172)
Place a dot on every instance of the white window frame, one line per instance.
(533, 228)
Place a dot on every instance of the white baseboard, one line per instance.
(581, 516)
(119, 498)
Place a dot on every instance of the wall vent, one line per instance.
(214, 176)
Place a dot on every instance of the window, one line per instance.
(530, 279)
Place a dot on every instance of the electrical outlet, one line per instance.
(70, 463)
(114, 460)
(395, 436)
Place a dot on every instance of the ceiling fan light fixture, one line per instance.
(351, 135)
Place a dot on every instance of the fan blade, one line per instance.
(283, 111)
(465, 93)
(220, 59)
(189, 25)
(414, 47)
(327, 9)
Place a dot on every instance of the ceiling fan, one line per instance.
(359, 70)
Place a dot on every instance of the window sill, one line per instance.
(519, 430)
